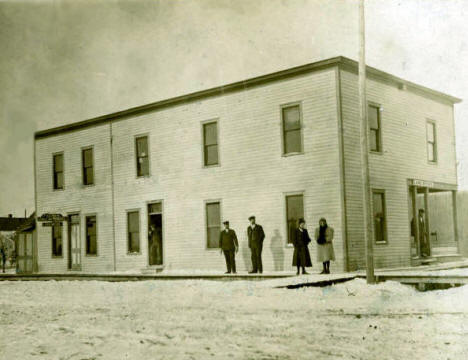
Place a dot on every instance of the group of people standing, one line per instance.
(301, 258)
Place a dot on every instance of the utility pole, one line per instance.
(364, 142)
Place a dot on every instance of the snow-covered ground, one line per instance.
(202, 319)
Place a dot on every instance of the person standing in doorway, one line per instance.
(256, 236)
(423, 241)
(229, 246)
(324, 238)
(301, 256)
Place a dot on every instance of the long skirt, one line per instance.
(325, 252)
(301, 257)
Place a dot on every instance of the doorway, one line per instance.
(74, 242)
(155, 234)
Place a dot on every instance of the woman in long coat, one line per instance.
(324, 238)
(301, 257)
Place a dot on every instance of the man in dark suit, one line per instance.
(229, 246)
(256, 235)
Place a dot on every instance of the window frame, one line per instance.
(285, 196)
(63, 171)
(127, 212)
(135, 146)
(52, 241)
(205, 205)
(283, 131)
(434, 143)
(86, 216)
(379, 121)
(203, 146)
(381, 192)
(83, 169)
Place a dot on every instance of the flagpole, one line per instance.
(367, 206)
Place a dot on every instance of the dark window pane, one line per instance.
(142, 146)
(430, 152)
(378, 204)
(210, 134)
(154, 208)
(373, 141)
(293, 141)
(134, 241)
(58, 162)
(211, 155)
(143, 166)
(58, 181)
(291, 118)
(213, 237)
(133, 221)
(57, 240)
(212, 214)
(88, 177)
(373, 117)
(430, 132)
(87, 158)
(294, 211)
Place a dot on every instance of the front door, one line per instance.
(155, 234)
(74, 242)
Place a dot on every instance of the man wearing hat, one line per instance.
(255, 235)
(229, 246)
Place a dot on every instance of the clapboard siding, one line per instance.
(253, 177)
(403, 119)
(76, 198)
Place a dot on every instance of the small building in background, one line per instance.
(26, 246)
(8, 227)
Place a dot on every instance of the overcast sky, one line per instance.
(65, 61)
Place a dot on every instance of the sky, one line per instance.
(64, 61)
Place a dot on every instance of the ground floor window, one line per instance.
(213, 224)
(57, 239)
(294, 211)
(380, 226)
(91, 236)
(133, 231)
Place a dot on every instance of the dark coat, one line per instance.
(228, 240)
(301, 255)
(256, 236)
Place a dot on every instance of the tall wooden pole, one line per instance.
(366, 191)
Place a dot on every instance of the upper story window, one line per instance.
(142, 156)
(375, 130)
(431, 141)
(210, 143)
(88, 166)
(58, 171)
(292, 129)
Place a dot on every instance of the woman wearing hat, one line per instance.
(324, 238)
(301, 257)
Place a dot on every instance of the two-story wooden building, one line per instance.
(150, 186)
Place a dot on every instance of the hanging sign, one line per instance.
(52, 217)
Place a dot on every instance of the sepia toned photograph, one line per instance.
(233, 179)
